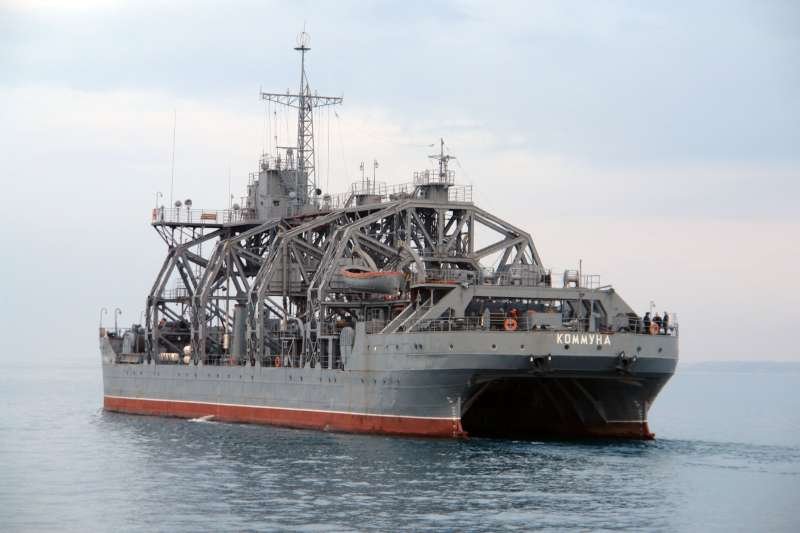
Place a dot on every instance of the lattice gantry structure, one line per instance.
(288, 285)
(291, 272)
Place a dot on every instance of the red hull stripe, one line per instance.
(296, 418)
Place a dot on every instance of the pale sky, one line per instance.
(657, 142)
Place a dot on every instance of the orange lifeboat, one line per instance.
(380, 281)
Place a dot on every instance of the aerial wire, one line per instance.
(328, 148)
(341, 142)
(172, 171)
(286, 121)
(315, 159)
(266, 135)
(275, 128)
(269, 127)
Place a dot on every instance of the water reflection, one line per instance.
(281, 477)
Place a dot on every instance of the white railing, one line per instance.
(182, 215)
(432, 177)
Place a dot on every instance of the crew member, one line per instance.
(666, 323)
(657, 322)
(646, 322)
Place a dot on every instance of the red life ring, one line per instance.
(510, 324)
(276, 361)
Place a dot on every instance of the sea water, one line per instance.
(726, 457)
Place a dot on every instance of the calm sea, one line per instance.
(727, 457)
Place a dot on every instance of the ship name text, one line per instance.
(583, 338)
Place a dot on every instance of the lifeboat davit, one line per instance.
(359, 279)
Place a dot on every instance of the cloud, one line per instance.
(656, 143)
(61, 5)
(640, 83)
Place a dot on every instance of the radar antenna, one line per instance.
(304, 102)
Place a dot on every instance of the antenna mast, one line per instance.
(442, 159)
(304, 102)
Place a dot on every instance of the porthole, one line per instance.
(638, 348)
(451, 346)
(660, 350)
(566, 346)
(494, 346)
(521, 346)
(599, 347)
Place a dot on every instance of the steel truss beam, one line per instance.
(285, 269)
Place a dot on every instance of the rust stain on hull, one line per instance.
(348, 422)
(303, 419)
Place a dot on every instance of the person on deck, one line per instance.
(665, 322)
(657, 322)
(646, 322)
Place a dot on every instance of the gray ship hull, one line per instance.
(405, 310)
(523, 384)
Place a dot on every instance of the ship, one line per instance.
(398, 310)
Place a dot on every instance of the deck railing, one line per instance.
(182, 215)
(432, 177)
(500, 322)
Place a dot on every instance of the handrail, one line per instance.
(182, 215)
(498, 322)
(433, 177)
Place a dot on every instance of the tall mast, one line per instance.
(305, 122)
(305, 103)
